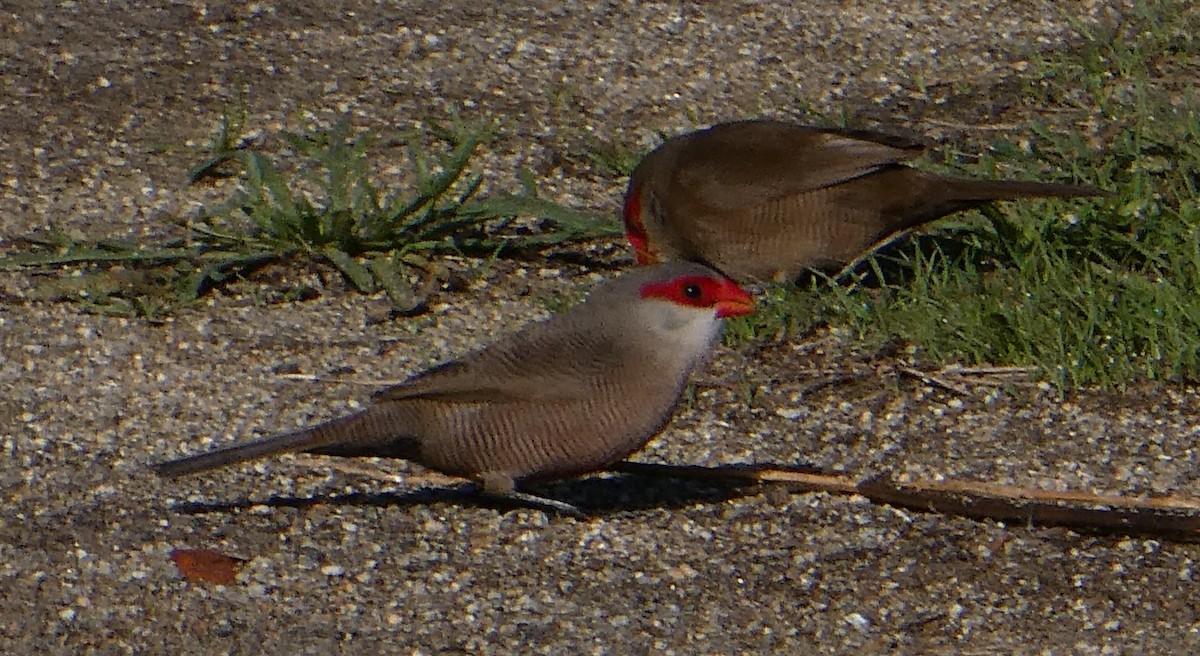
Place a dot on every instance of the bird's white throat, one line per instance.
(690, 331)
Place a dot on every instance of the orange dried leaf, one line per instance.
(206, 565)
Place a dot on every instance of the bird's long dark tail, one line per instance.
(915, 197)
(337, 436)
(965, 189)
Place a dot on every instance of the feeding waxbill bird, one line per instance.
(764, 199)
(562, 397)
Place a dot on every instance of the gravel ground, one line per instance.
(99, 103)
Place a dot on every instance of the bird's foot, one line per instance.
(542, 503)
(500, 485)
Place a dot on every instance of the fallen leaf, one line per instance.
(206, 565)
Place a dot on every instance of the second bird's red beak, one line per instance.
(635, 230)
(645, 254)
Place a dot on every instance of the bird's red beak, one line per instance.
(734, 301)
(635, 230)
(641, 249)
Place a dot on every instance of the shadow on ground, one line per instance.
(594, 496)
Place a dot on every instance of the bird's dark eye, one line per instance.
(692, 291)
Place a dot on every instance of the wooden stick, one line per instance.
(1172, 517)
(802, 479)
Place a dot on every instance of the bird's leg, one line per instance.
(544, 503)
(502, 486)
(871, 250)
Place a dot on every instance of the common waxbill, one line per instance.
(566, 396)
(765, 199)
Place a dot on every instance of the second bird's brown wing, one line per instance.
(736, 166)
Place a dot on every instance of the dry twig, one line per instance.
(1169, 517)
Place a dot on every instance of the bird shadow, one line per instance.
(668, 487)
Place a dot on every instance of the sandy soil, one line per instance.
(100, 108)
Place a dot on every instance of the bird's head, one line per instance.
(669, 313)
(682, 304)
(700, 290)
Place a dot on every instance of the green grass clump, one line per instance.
(319, 201)
(1092, 292)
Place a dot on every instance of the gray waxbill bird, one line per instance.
(764, 199)
(562, 397)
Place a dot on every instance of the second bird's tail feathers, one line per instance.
(988, 190)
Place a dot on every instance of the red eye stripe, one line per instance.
(702, 292)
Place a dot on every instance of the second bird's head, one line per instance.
(637, 211)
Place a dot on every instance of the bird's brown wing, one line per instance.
(739, 165)
(537, 364)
